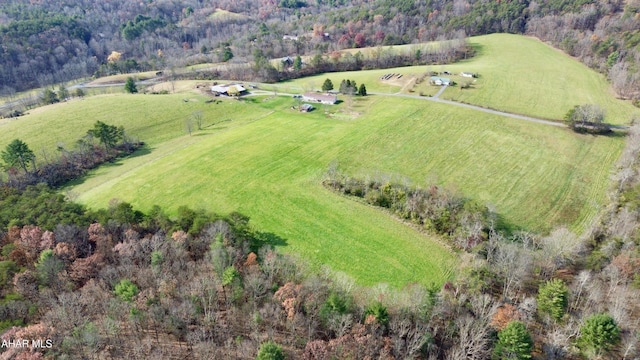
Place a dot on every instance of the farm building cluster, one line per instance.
(440, 81)
(228, 89)
(314, 97)
(329, 99)
(445, 81)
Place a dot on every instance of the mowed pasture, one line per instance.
(535, 176)
(271, 167)
(524, 75)
(268, 162)
(262, 163)
(153, 119)
(260, 157)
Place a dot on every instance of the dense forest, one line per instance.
(46, 43)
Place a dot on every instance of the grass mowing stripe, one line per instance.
(518, 167)
(316, 223)
(271, 170)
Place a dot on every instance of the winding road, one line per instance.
(475, 107)
(435, 98)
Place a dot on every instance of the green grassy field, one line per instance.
(151, 118)
(270, 169)
(260, 157)
(535, 176)
(121, 78)
(524, 75)
(268, 160)
(517, 74)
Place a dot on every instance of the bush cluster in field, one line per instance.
(462, 220)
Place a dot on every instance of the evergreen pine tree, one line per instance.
(362, 91)
(514, 342)
(327, 85)
(130, 86)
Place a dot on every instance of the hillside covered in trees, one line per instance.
(46, 43)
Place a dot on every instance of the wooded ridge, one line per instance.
(53, 42)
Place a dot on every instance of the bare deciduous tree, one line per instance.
(473, 340)
(198, 117)
(579, 286)
(188, 125)
(514, 264)
(558, 250)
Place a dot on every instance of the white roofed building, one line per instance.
(228, 89)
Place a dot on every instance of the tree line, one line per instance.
(122, 283)
(435, 209)
(22, 170)
(347, 87)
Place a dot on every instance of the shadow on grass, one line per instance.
(209, 131)
(142, 151)
(261, 238)
(616, 132)
(507, 228)
(206, 131)
(249, 100)
(216, 123)
(76, 181)
(478, 50)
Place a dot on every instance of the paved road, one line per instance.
(442, 89)
(478, 108)
(84, 85)
(436, 98)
